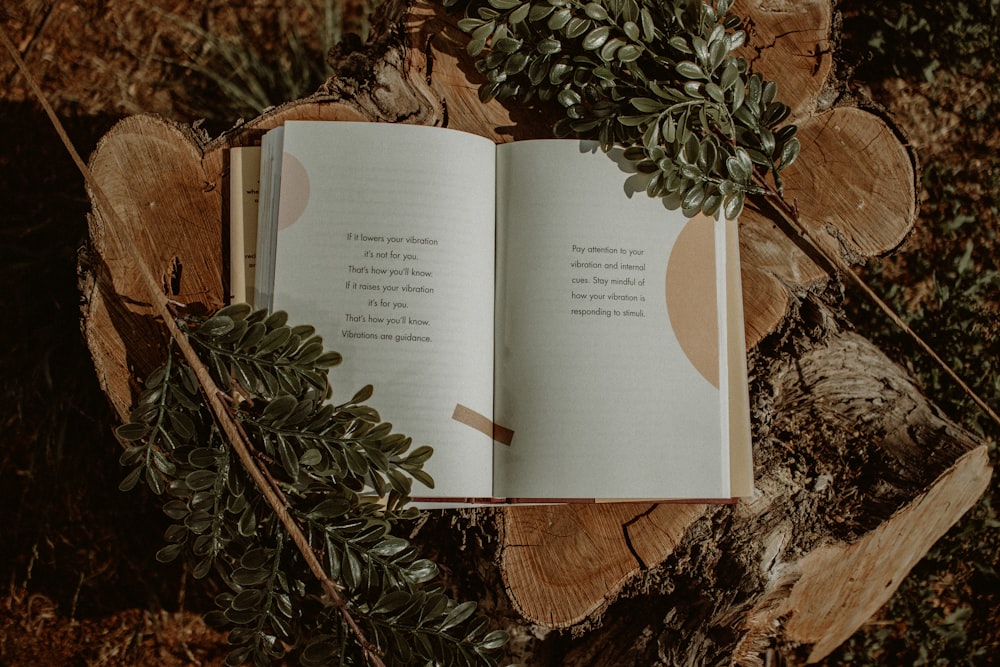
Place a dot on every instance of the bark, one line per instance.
(856, 473)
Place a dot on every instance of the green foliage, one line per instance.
(660, 78)
(916, 38)
(344, 477)
(233, 67)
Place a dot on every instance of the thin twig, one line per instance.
(790, 212)
(211, 392)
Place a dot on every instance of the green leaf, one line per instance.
(558, 72)
(754, 92)
(789, 152)
(216, 326)
(568, 97)
(711, 204)
(595, 38)
(422, 477)
(289, 461)
(182, 424)
(162, 463)
(279, 408)
(274, 339)
(647, 105)
(767, 141)
(352, 573)
(392, 601)
(733, 206)
(250, 577)
(363, 394)
(238, 656)
(494, 640)
(176, 509)
(596, 11)
(169, 553)
(146, 413)
(220, 371)
(540, 11)
(331, 508)
(419, 455)
(692, 148)
(470, 24)
(631, 30)
(607, 52)
(248, 522)
(390, 547)
(421, 571)
(559, 19)
(198, 522)
(629, 53)
(577, 26)
(648, 24)
(737, 170)
(132, 456)
(328, 360)
(693, 198)
(549, 46)
(519, 14)
(716, 53)
(203, 457)
(506, 45)
(321, 652)
(515, 63)
(200, 479)
(247, 600)
(474, 48)
(131, 479)
(458, 615)
(311, 457)
(202, 568)
(132, 431)
(690, 70)
(156, 377)
(715, 92)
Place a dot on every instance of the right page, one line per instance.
(610, 335)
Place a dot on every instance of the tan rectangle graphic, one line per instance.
(484, 425)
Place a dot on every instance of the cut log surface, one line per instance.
(856, 474)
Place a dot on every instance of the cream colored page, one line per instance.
(244, 179)
(591, 376)
(386, 245)
(741, 451)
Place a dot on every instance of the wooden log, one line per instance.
(856, 473)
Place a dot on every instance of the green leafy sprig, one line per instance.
(343, 476)
(660, 78)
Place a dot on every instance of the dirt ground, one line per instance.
(78, 581)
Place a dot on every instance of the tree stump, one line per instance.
(856, 473)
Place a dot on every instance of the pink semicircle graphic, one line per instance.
(294, 191)
(691, 296)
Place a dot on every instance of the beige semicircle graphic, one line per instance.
(691, 296)
(294, 191)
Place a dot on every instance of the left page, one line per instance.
(385, 243)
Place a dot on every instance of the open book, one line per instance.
(552, 337)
